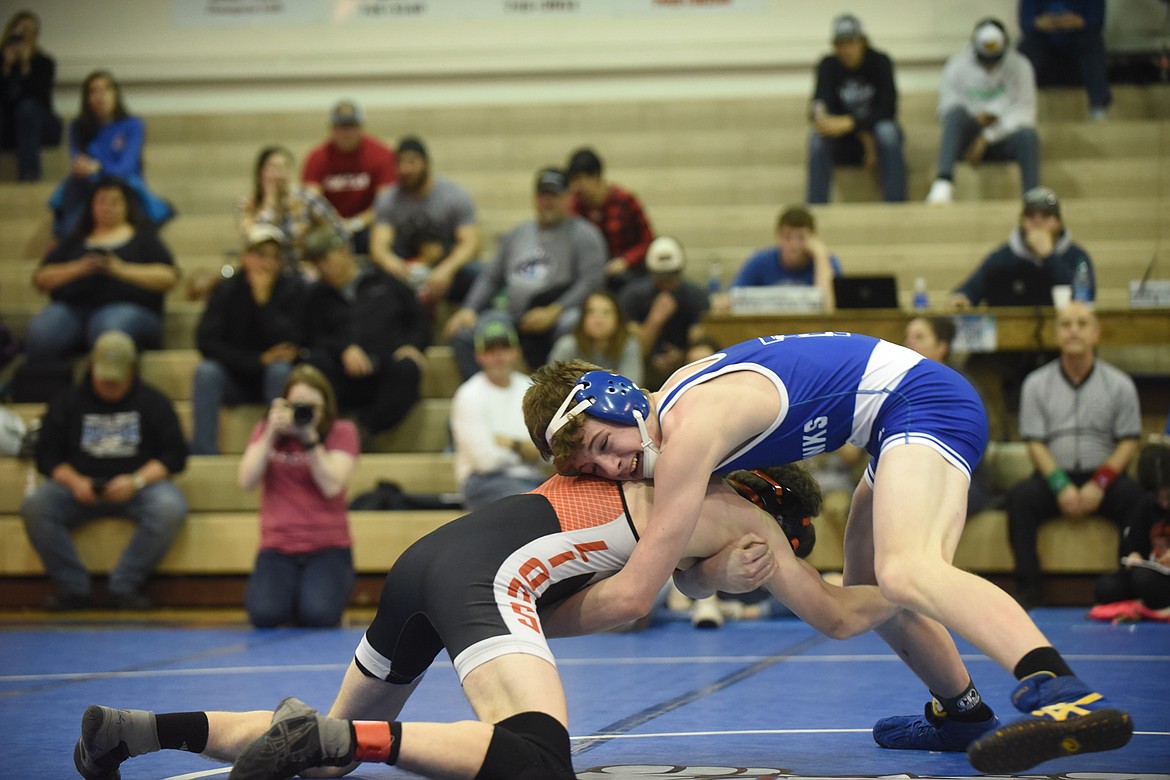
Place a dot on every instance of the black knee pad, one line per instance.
(528, 746)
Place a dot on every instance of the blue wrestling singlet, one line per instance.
(845, 388)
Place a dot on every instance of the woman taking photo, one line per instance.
(302, 456)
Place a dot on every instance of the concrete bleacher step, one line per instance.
(425, 428)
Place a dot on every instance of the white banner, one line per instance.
(241, 13)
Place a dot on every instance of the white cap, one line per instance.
(990, 41)
(665, 255)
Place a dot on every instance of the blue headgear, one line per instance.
(610, 397)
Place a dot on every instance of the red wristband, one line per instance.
(1104, 476)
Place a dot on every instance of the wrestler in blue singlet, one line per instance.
(839, 388)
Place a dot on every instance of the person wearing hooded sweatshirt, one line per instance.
(1040, 241)
(987, 105)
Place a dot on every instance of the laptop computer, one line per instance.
(865, 292)
(1018, 285)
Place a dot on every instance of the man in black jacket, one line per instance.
(249, 334)
(854, 115)
(366, 331)
(109, 446)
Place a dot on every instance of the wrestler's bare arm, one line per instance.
(725, 519)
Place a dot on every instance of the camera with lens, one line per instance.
(303, 414)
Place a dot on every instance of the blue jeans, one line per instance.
(824, 152)
(959, 130)
(61, 329)
(30, 126)
(479, 490)
(51, 511)
(310, 589)
(1057, 57)
(214, 387)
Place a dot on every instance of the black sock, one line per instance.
(182, 731)
(968, 706)
(395, 741)
(1042, 659)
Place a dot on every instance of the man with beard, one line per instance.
(349, 169)
(424, 229)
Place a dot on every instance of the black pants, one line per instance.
(1031, 502)
(1152, 587)
(381, 399)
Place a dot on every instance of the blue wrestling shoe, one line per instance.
(1065, 718)
(933, 730)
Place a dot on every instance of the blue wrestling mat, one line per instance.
(766, 699)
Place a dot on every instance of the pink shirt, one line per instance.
(295, 516)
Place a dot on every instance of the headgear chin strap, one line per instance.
(611, 397)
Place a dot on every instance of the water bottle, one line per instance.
(1082, 289)
(714, 277)
(921, 303)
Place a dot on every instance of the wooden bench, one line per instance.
(220, 543)
(209, 481)
(425, 428)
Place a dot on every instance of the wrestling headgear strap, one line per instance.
(611, 397)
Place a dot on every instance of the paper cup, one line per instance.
(1061, 295)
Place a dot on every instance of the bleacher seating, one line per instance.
(712, 172)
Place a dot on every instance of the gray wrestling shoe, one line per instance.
(299, 738)
(109, 737)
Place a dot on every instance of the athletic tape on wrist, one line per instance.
(1058, 481)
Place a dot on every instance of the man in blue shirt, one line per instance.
(799, 257)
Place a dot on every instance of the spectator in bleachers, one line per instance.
(302, 457)
(109, 447)
(1040, 242)
(987, 106)
(798, 257)
(616, 212)
(277, 200)
(665, 309)
(27, 74)
(854, 115)
(425, 230)
(249, 334)
(366, 331)
(1146, 540)
(602, 338)
(545, 267)
(349, 169)
(1063, 40)
(494, 456)
(104, 141)
(932, 338)
(110, 273)
(1081, 420)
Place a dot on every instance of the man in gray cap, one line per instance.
(987, 104)
(349, 169)
(108, 447)
(546, 267)
(854, 115)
